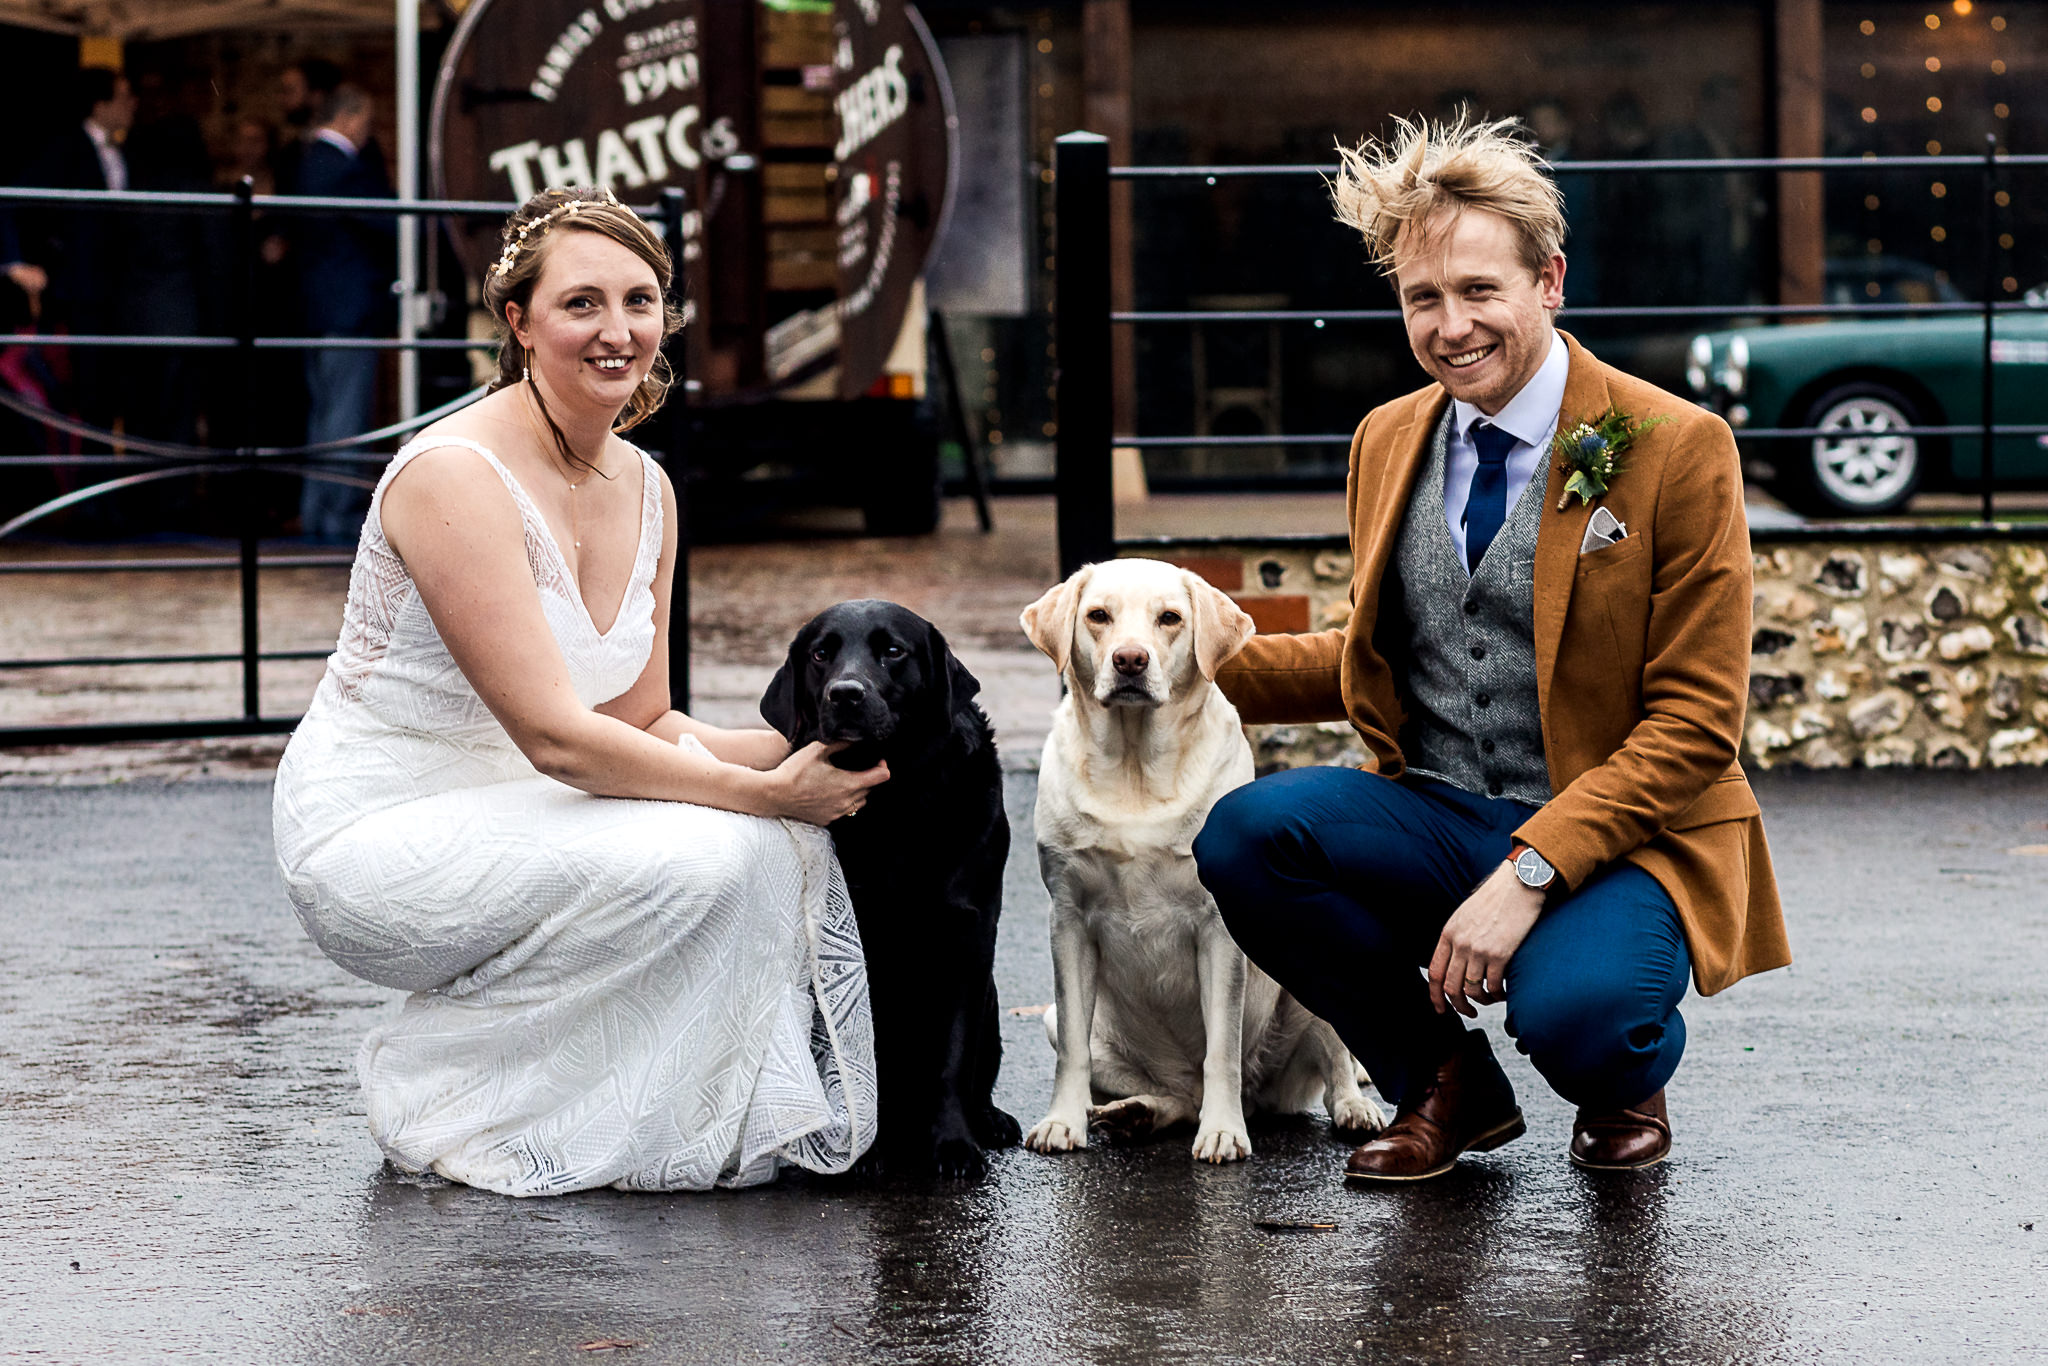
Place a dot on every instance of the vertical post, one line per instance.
(678, 421)
(1986, 471)
(1081, 484)
(407, 38)
(971, 452)
(1801, 87)
(242, 308)
(1106, 106)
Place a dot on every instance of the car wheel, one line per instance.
(1862, 462)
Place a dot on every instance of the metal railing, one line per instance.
(1083, 318)
(244, 462)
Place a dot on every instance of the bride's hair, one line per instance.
(1386, 187)
(525, 240)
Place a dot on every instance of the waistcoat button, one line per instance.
(1479, 652)
(1471, 609)
(1484, 700)
(1493, 789)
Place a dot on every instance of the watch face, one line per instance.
(1533, 869)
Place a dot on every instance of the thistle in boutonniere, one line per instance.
(1591, 453)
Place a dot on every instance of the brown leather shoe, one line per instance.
(1468, 1108)
(1623, 1140)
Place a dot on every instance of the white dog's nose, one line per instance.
(1130, 660)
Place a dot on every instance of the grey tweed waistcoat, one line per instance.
(1471, 677)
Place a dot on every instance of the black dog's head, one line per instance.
(872, 673)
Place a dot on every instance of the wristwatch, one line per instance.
(1534, 870)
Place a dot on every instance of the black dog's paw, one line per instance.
(955, 1151)
(959, 1158)
(1000, 1130)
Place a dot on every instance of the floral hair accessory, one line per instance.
(537, 226)
(1591, 453)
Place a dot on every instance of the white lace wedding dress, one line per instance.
(643, 994)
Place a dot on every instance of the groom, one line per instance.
(1550, 688)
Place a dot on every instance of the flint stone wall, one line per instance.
(1887, 654)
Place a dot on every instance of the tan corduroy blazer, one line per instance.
(1642, 661)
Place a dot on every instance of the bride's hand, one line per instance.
(813, 790)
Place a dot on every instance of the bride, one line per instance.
(631, 957)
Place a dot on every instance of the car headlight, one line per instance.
(1733, 376)
(1699, 364)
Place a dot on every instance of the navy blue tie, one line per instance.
(1486, 507)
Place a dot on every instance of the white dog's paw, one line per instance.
(1054, 1134)
(1125, 1120)
(1357, 1115)
(1222, 1144)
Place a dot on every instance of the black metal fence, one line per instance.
(1084, 318)
(243, 462)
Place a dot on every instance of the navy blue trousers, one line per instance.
(1338, 882)
(341, 387)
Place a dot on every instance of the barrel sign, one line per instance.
(812, 141)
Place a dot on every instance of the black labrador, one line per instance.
(924, 862)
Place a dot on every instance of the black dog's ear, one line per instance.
(787, 705)
(952, 682)
(964, 684)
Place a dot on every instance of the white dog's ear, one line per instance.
(1049, 622)
(1221, 626)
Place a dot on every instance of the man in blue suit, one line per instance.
(346, 264)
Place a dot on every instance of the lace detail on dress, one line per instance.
(380, 591)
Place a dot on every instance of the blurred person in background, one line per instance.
(27, 277)
(346, 264)
(303, 89)
(25, 374)
(82, 256)
(82, 251)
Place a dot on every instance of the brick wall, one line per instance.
(1882, 654)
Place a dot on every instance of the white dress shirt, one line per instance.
(335, 139)
(1530, 417)
(113, 165)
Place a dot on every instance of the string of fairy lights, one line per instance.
(1961, 63)
(1048, 128)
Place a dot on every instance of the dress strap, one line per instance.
(539, 540)
(525, 504)
(650, 516)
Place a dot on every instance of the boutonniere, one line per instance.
(1591, 453)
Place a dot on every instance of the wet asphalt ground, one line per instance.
(1860, 1170)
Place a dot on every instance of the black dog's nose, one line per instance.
(1129, 659)
(846, 693)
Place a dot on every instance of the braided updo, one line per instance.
(525, 240)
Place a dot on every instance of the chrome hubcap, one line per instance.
(1864, 460)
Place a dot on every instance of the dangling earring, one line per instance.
(526, 365)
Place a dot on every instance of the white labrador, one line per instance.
(1157, 1012)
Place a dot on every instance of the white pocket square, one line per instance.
(1604, 530)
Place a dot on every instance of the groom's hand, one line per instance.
(1470, 966)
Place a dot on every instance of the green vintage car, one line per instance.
(1859, 382)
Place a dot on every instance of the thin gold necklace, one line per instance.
(575, 534)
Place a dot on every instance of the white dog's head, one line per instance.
(1135, 633)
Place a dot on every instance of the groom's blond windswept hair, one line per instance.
(1385, 188)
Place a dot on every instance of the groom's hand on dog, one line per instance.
(815, 790)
